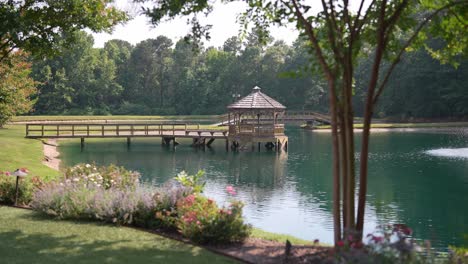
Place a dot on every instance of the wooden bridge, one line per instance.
(167, 132)
(290, 117)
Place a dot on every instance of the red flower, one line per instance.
(340, 243)
(357, 244)
(377, 239)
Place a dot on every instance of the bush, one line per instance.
(114, 195)
(127, 108)
(106, 176)
(202, 221)
(111, 194)
(390, 244)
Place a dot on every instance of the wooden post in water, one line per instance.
(128, 142)
(82, 143)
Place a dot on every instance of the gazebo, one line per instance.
(254, 119)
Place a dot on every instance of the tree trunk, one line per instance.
(367, 120)
(336, 161)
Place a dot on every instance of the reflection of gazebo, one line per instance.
(254, 119)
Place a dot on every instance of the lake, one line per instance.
(416, 178)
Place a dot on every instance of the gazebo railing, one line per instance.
(260, 130)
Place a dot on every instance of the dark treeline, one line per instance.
(159, 77)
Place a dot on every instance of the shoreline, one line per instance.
(51, 154)
(395, 129)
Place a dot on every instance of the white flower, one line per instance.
(98, 185)
(76, 179)
(88, 166)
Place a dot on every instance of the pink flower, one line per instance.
(229, 212)
(230, 190)
(190, 199)
(7, 173)
(340, 243)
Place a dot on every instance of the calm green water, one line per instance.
(413, 179)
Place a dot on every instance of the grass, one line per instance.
(214, 118)
(407, 125)
(258, 233)
(27, 237)
(17, 152)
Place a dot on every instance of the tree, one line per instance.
(148, 71)
(35, 26)
(16, 87)
(338, 36)
(82, 80)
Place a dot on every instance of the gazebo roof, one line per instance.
(256, 100)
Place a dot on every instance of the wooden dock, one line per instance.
(167, 132)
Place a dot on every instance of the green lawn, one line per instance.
(214, 118)
(17, 152)
(26, 237)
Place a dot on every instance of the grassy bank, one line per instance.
(406, 125)
(17, 152)
(30, 238)
(187, 118)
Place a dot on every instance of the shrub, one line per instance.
(202, 221)
(106, 176)
(109, 194)
(192, 181)
(114, 195)
(26, 187)
(390, 244)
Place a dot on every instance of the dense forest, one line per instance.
(159, 77)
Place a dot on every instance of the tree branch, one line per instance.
(331, 23)
(310, 32)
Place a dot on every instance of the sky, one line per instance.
(223, 19)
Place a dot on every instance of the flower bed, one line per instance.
(113, 194)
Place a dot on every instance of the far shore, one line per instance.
(397, 129)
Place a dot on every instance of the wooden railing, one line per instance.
(256, 129)
(56, 130)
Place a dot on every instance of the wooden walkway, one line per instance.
(80, 130)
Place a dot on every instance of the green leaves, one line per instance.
(36, 26)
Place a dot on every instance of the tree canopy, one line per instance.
(35, 26)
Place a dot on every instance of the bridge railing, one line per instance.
(104, 130)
